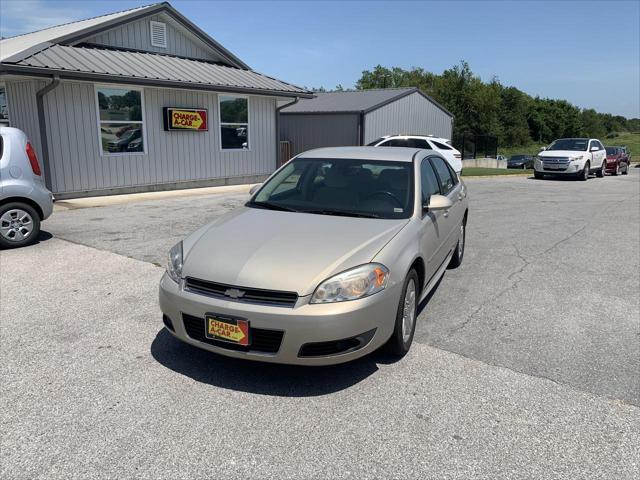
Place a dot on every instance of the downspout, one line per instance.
(42, 126)
(295, 100)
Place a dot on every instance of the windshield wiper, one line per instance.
(343, 213)
(271, 206)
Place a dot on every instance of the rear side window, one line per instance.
(429, 181)
(418, 143)
(396, 142)
(447, 183)
(1, 145)
(441, 146)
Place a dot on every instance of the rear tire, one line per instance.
(19, 225)
(600, 173)
(584, 175)
(406, 318)
(538, 175)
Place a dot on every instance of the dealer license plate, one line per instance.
(227, 329)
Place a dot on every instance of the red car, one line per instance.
(617, 161)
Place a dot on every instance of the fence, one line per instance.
(476, 146)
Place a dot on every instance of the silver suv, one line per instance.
(24, 199)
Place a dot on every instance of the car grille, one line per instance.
(241, 294)
(555, 163)
(262, 340)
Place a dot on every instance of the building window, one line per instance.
(120, 120)
(234, 122)
(4, 109)
(158, 34)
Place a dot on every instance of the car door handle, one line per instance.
(445, 214)
(460, 197)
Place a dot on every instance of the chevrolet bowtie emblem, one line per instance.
(234, 293)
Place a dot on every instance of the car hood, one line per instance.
(285, 251)
(561, 153)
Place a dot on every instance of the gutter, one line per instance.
(295, 100)
(42, 125)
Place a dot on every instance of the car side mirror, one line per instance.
(542, 149)
(594, 149)
(438, 202)
(255, 188)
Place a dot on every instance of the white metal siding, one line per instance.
(137, 35)
(23, 112)
(412, 114)
(74, 149)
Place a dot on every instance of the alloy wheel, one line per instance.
(409, 311)
(16, 225)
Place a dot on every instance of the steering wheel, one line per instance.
(384, 193)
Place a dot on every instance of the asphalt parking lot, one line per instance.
(526, 361)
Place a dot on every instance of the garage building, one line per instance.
(358, 117)
(139, 100)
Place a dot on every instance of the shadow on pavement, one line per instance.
(261, 378)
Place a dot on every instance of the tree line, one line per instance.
(490, 108)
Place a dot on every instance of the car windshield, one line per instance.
(611, 150)
(352, 188)
(517, 157)
(573, 144)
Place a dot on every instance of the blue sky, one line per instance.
(587, 52)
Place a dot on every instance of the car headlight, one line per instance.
(575, 158)
(174, 263)
(358, 282)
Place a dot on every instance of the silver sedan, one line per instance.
(325, 263)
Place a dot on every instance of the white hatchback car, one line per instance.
(427, 142)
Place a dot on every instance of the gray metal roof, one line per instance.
(148, 68)
(13, 45)
(354, 101)
(20, 46)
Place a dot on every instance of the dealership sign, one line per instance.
(194, 119)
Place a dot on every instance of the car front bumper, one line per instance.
(573, 168)
(371, 320)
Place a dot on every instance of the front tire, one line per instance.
(538, 175)
(616, 172)
(402, 337)
(19, 225)
(626, 170)
(584, 176)
(458, 253)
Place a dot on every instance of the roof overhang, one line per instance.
(30, 71)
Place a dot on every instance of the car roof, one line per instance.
(412, 135)
(394, 154)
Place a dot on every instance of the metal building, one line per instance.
(139, 100)
(358, 117)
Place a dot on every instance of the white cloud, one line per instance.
(22, 16)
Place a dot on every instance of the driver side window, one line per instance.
(429, 182)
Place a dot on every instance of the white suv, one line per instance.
(427, 142)
(574, 157)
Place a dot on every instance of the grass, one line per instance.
(478, 171)
(630, 140)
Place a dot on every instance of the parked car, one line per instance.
(135, 145)
(325, 263)
(617, 160)
(572, 157)
(121, 144)
(440, 145)
(501, 158)
(24, 199)
(520, 161)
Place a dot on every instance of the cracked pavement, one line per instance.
(525, 362)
